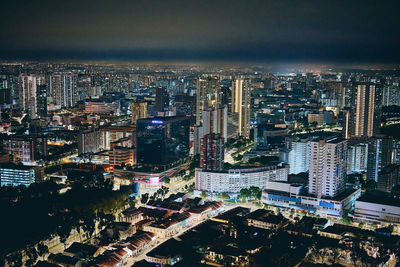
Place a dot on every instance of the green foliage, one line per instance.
(371, 185)
(346, 219)
(204, 194)
(167, 180)
(225, 195)
(250, 193)
(38, 212)
(263, 160)
(145, 198)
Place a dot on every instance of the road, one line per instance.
(143, 256)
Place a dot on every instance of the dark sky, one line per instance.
(362, 31)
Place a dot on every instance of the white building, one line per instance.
(292, 196)
(377, 208)
(327, 167)
(15, 175)
(234, 180)
(357, 156)
(299, 156)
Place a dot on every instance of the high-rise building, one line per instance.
(62, 90)
(357, 156)
(212, 152)
(28, 94)
(25, 149)
(380, 155)
(162, 99)
(388, 178)
(208, 95)
(299, 155)
(241, 105)
(89, 141)
(215, 121)
(162, 141)
(327, 167)
(138, 111)
(362, 120)
(42, 100)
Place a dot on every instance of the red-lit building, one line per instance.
(212, 152)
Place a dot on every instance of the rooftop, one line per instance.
(379, 197)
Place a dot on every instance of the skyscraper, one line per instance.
(162, 99)
(380, 155)
(28, 94)
(208, 95)
(139, 111)
(216, 121)
(362, 120)
(42, 100)
(162, 141)
(299, 155)
(327, 167)
(241, 105)
(62, 90)
(212, 152)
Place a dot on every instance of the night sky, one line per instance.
(340, 31)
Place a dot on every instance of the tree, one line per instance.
(145, 198)
(32, 254)
(370, 185)
(131, 201)
(204, 194)
(245, 194)
(15, 259)
(63, 231)
(167, 180)
(89, 225)
(42, 250)
(346, 219)
(225, 195)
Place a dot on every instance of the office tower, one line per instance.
(28, 95)
(241, 105)
(138, 111)
(299, 155)
(42, 100)
(327, 167)
(15, 175)
(212, 152)
(208, 95)
(62, 90)
(367, 110)
(89, 141)
(162, 99)
(162, 142)
(380, 155)
(185, 104)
